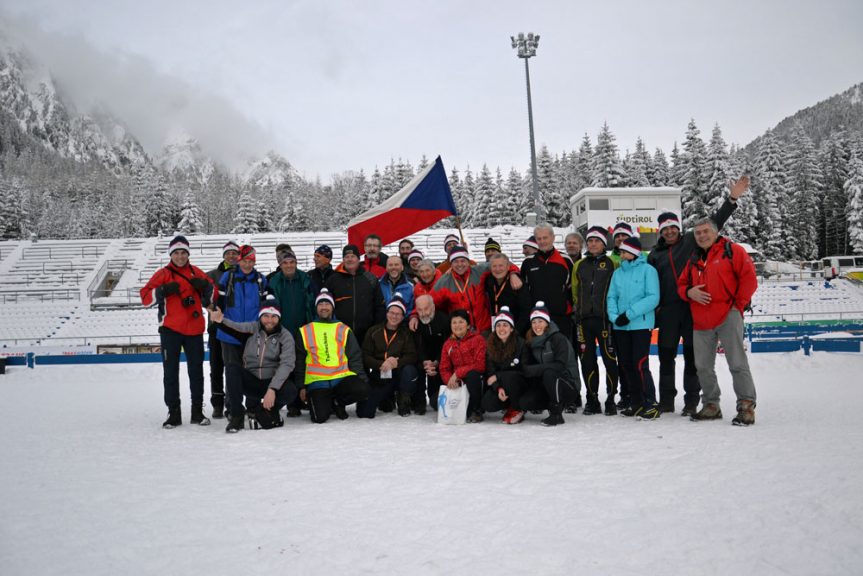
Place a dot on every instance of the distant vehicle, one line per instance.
(836, 266)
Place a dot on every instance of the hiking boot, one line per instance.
(475, 418)
(294, 412)
(708, 412)
(666, 407)
(218, 403)
(689, 410)
(404, 403)
(198, 416)
(610, 408)
(649, 413)
(745, 413)
(174, 419)
(623, 403)
(592, 407)
(235, 424)
(341, 411)
(513, 416)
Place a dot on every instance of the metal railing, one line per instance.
(803, 316)
(62, 251)
(42, 295)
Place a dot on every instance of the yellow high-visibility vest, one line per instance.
(325, 351)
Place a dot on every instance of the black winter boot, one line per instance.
(403, 400)
(555, 416)
(218, 402)
(235, 424)
(175, 419)
(340, 410)
(592, 406)
(198, 416)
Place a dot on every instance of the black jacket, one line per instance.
(516, 363)
(430, 337)
(319, 278)
(552, 350)
(591, 278)
(359, 301)
(670, 261)
(547, 276)
(519, 301)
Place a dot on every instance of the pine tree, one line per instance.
(161, 211)
(498, 210)
(549, 188)
(468, 195)
(743, 224)
(583, 176)
(517, 197)
(804, 192)
(835, 155)
(854, 205)
(190, 216)
(677, 173)
(246, 217)
(484, 199)
(768, 188)
(606, 169)
(639, 165)
(658, 174)
(718, 173)
(693, 162)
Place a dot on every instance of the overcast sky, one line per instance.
(338, 85)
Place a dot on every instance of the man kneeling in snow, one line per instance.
(269, 357)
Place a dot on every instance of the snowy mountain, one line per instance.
(182, 154)
(271, 171)
(841, 111)
(31, 98)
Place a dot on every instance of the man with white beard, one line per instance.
(431, 332)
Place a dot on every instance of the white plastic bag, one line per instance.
(452, 405)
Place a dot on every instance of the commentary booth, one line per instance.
(640, 207)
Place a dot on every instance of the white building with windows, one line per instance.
(640, 207)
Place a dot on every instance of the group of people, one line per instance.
(386, 332)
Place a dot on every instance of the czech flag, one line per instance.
(422, 202)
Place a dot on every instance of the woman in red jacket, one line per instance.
(462, 361)
(181, 291)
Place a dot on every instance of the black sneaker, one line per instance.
(649, 413)
(174, 419)
(592, 407)
(235, 424)
(553, 420)
(218, 403)
(340, 410)
(631, 411)
(198, 416)
(610, 408)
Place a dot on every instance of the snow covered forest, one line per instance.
(64, 174)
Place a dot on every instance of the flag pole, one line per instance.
(460, 233)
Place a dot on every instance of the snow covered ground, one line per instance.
(92, 485)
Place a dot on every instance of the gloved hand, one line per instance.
(171, 288)
(622, 320)
(199, 284)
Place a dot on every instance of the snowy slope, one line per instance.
(92, 485)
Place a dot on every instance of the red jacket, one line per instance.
(730, 281)
(420, 288)
(378, 267)
(453, 292)
(187, 320)
(461, 355)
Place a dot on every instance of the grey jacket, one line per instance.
(267, 356)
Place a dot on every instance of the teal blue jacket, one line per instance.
(634, 291)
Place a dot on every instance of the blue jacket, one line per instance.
(634, 290)
(403, 287)
(240, 298)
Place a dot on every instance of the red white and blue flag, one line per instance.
(422, 202)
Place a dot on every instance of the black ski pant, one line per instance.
(474, 383)
(634, 354)
(427, 385)
(233, 358)
(515, 385)
(404, 380)
(622, 375)
(217, 366)
(675, 323)
(592, 332)
(254, 388)
(172, 343)
(349, 390)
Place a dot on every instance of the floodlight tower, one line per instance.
(526, 46)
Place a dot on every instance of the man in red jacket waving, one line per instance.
(181, 291)
(718, 282)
